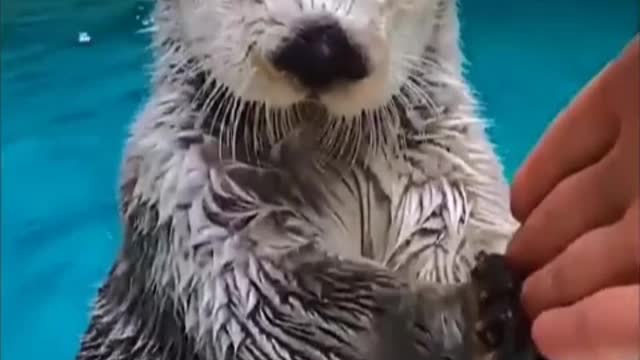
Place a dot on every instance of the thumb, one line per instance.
(604, 326)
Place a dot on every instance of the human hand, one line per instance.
(577, 198)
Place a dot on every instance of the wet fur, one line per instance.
(270, 228)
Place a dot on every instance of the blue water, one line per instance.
(65, 109)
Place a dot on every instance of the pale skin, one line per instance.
(577, 198)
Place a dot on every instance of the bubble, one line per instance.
(84, 37)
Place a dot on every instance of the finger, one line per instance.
(622, 94)
(605, 257)
(579, 136)
(583, 201)
(604, 326)
(622, 91)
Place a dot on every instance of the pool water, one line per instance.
(65, 108)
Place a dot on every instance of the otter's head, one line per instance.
(348, 55)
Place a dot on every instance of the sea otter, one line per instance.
(309, 180)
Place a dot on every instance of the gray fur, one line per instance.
(299, 234)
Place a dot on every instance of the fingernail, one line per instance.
(543, 336)
(513, 248)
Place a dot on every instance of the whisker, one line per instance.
(435, 74)
(237, 119)
(423, 97)
(217, 95)
(359, 136)
(228, 103)
(259, 119)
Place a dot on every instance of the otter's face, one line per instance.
(350, 55)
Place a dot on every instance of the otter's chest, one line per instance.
(379, 212)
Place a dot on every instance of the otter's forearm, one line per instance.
(481, 319)
(436, 322)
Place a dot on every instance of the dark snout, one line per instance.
(320, 55)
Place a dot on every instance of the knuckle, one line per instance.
(559, 281)
(615, 183)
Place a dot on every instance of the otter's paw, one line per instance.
(502, 326)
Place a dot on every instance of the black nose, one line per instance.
(321, 55)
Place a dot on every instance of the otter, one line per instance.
(309, 180)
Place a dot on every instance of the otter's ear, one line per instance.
(503, 327)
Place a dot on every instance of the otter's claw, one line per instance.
(502, 325)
